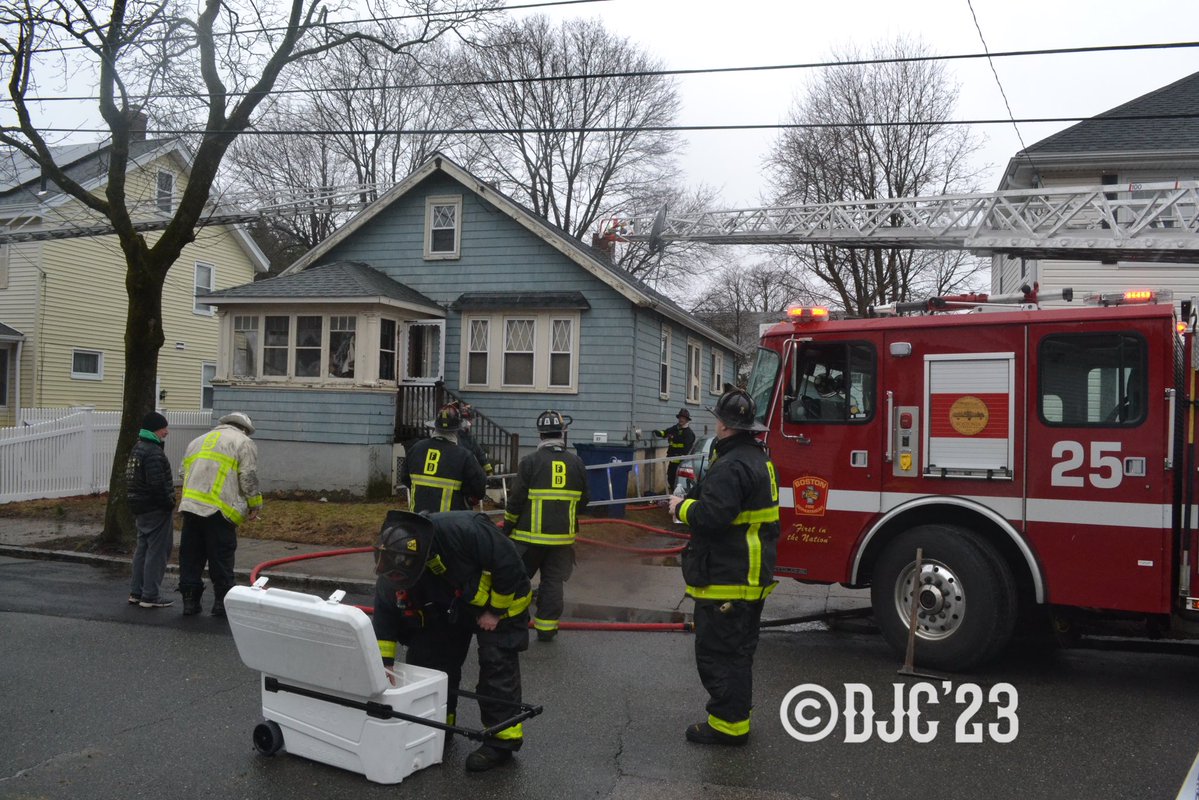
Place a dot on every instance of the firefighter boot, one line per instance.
(487, 757)
(218, 603)
(191, 600)
(703, 733)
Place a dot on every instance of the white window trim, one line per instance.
(6, 375)
(537, 332)
(695, 370)
(669, 348)
(542, 333)
(323, 377)
(293, 338)
(716, 381)
(403, 376)
(203, 365)
(550, 352)
(88, 376)
(468, 350)
(208, 310)
(158, 197)
(395, 351)
(443, 200)
(291, 342)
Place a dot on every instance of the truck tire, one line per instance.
(968, 601)
(268, 737)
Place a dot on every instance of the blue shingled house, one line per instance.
(442, 289)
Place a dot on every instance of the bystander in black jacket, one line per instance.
(149, 483)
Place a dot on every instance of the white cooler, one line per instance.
(316, 654)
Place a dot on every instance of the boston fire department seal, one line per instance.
(811, 493)
(968, 415)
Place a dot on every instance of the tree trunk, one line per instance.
(143, 339)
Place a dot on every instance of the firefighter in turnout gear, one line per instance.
(679, 441)
(444, 579)
(541, 517)
(220, 491)
(440, 473)
(729, 564)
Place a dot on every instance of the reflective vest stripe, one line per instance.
(729, 728)
(225, 465)
(684, 508)
(730, 592)
(537, 500)
(753, 545)
(545, 624)
(515, 732)
(758, 515)
(446, 486)
(484, 597)
(387, 649)
(544, 538)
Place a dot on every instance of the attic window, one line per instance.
(443, 217)
(166, 192)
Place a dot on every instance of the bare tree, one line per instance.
(227, 56)
(880, 133)
(577, 146)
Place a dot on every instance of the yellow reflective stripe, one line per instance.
(508, 517)
(518, 606)
(255, 501)
(729, 728)
(484, 590)
(387, 649)
(439, 483)
(501, 600)
(555, 494)
(515, 732)
(684, 509)
(544, 538)
(231, 513)
(759, 515)
(719, 591)
(545, 624)
(754, 545)
(679, 446)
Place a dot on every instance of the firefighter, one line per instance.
(680, 439)
(440, 473)
(220, 491)
(541, 517)
(443, 579)
(728, 565)
(467, 440)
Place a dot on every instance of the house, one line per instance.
(63, 300)
(445, 285)
(1129, 144)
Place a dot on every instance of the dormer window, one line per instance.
(443, 217)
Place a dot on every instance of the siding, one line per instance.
(18, 309)
(353, 417)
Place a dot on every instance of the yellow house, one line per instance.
(63, 301)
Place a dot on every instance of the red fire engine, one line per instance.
(1041, 458)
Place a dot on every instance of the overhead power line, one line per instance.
(678, 72)
(651, 128)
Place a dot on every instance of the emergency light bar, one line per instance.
(807, 314)
(1130, 297)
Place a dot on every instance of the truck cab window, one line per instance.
(1092, 379)
(831, 383)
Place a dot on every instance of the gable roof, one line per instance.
(87, 165)
(632, 289)
(340, 280)
(1161, 124)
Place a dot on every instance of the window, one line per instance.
(442, 216)
(308, 347)
(476, 356)
(761, 381)
(276, 332)
(245, 347)
(664, 365)
(716, 385)
(3, 378)
(423, 356)
(534, 350)
(387, 350)
(166, 192)
(205, 282)
(518, 352)
(831, 382)
(1092, 380)
(694, 351)
(207, 373)
(87, 365)
(342, 333)
(561, 347)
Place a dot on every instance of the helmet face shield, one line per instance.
(400, 566)
(403, 547)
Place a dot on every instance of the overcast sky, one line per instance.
(690, 34)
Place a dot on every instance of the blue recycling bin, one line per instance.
(597, 479)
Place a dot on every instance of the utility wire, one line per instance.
(642, 128)
(999, 83)
(697, 71)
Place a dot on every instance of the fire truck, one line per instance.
(1040, 458)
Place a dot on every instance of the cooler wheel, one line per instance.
(268, 738)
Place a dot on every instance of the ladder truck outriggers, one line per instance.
(1042, 460)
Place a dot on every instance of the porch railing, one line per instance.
(416, 406)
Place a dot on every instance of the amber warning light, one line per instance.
(807, 314)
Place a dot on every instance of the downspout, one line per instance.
(633, 384)
(17, 386)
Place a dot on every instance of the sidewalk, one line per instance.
(606, 585)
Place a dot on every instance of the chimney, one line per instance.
(137, 126)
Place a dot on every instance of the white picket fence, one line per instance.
(62, 452)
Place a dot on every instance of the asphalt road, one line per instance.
(104, 700)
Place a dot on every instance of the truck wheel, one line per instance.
(966, 595)
(268, 737)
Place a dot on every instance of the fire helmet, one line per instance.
(448, 419)
(684, 413)
(736, 409)
(552, 422)
(239, 419)
(403, 547)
